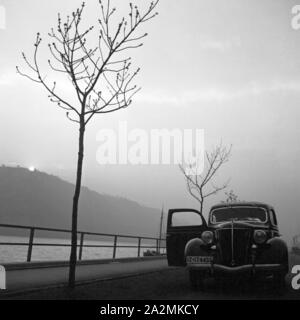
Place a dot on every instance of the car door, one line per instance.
(182, 226)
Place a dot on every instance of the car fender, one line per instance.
(195, 247)
(274, 251)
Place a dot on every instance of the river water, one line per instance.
(18, 253)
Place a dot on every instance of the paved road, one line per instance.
(34, 278)
(163, 285)
(166, 283)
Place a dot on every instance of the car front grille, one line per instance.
(234, 246)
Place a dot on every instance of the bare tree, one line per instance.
(231, 197)
(201, 186)
(99, 74)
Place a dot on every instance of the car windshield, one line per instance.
(254, 214)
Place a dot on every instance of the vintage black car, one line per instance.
(239, 239)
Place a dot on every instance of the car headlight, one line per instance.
(207, 237)
(259, 236)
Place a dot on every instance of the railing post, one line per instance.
(157, 245)
(115, 247)
(30, 244)
(81, 245)
(139, 247)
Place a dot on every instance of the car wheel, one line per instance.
(196, 280)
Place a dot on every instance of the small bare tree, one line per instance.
(231, 197)
(201, 186)
(99, 74)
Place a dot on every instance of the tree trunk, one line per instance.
(201, 208)
(73, 255)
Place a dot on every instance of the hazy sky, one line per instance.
(228, 67)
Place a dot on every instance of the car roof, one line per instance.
(242, 204)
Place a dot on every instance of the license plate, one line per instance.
(199, 259)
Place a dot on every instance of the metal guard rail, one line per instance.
(81, 244)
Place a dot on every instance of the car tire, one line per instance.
(279, 282)
(196, 280)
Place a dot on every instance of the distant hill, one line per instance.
(39, 199)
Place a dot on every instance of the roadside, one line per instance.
(24, 279)
(164, 284)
